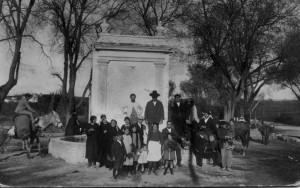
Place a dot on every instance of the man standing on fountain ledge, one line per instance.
(154, 112)
(133, 109)
(178, 115)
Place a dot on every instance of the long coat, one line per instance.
(72, 127)
(154, 114)
(118, 151)
(92, 142)
(178, 116)
(104, 139)
(112, 133)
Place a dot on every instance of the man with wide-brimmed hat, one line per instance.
(154, 112)
(178, 115)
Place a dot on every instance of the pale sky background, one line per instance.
(36, 68)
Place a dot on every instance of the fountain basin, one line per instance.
(70, 148)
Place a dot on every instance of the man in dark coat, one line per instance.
(118, 152)
(154, 112)
(178, 115)
(169, 130)
(72, 126)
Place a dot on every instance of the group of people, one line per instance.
(134, 146)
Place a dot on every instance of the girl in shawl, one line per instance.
(128, 164)
(154, 146)
(137, 142)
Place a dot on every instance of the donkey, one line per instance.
(24, 132)
(265, 131)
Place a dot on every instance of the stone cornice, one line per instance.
(131, 43)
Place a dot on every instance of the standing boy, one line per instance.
(118, 152)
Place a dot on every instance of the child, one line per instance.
(118, 152)
(137, 143)
(169, 149)
(142, 160)
(126, 125)
(230, 135)
(129, 155)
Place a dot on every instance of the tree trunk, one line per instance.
(229, 109)
(71, 93)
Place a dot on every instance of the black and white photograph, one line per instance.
(149, 93)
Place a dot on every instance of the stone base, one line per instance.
(71, 152)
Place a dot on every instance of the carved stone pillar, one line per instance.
(159, 77)
(99, 91)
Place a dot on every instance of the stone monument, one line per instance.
(126, 64)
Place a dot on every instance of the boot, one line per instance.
(165, 172)
(150, 168)
(171, 170)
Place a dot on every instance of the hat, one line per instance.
(126, 118)
(154, 94)
(141, 117)
(177, 95)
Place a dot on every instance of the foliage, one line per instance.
(17, 25)
(144, 15)
(284, 118)
(235, 42)
(73, 26)
(288, 72)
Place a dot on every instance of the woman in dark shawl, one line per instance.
(92, 142)
(72, 126)
(113, 131)
(103, 138)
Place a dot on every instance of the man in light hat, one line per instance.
(154, 112)
(178, 115)
(132, 109)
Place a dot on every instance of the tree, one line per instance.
(17, 24)
(73, 25)
(288, 72)
(236, 41)
(146, 14)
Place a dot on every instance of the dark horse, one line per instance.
(24, 132)
(242, 133)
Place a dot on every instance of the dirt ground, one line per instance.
(274, 164)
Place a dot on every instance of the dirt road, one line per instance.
(263, 165)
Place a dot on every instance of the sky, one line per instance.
(36, 68)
